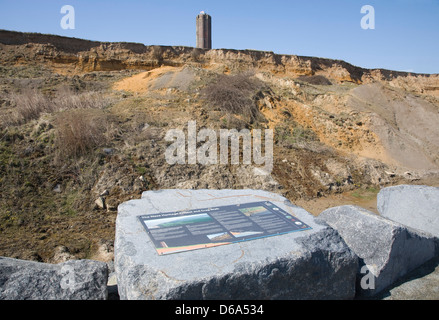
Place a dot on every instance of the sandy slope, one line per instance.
(407, 124)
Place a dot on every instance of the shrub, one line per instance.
(234, 94)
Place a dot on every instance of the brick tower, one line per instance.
(204, 31)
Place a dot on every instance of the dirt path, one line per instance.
(365, 199)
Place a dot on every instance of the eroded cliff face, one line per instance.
(80, 56)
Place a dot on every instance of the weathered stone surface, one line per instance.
(71, 280)
(388, 249)
(100, 203)
(413, 206)
(420, 284)
(311, 264)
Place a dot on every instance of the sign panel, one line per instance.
(179, 231)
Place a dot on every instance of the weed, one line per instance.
(66, 99)
(141, 170)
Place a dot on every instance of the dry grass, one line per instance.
(66, 99)
(80, 131)
(30, 104)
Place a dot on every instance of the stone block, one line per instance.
(71, 280)
(311, 264)
(414, 206)
(389, 250)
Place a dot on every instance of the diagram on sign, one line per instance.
(173, 232)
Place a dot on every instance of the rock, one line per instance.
(111, 204)
(420, 284)
(71, 280)
(310, 264)
(414, 206)
(112, 287)
(105, 251)
(389, 173)
(388, 249)
(112, 282)
(100, 203)
(62, 254)
(108, 151)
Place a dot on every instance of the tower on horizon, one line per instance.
(204, 31)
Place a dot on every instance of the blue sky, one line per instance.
(405, 38)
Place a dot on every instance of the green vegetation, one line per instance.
(290, 133)
(53, 130)
(366, 194)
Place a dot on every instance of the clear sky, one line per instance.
(405, 38)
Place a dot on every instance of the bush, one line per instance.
(234, 94)
(79, 132)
